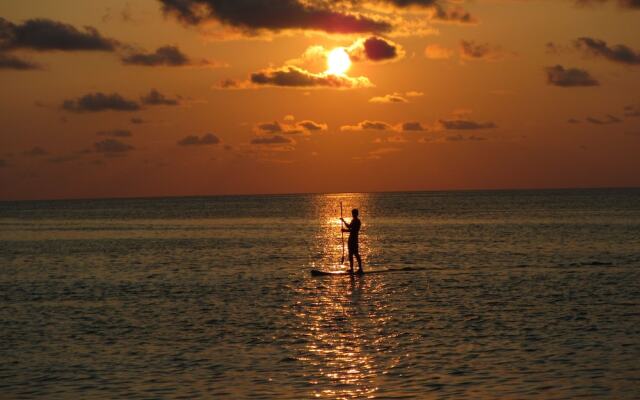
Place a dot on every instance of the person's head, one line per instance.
(354, 212)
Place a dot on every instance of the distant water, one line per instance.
(524, 294)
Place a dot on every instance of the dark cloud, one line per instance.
(413, 127)
(64, 158)
(155, 98)
(292, 76)
(96, 102)
(137, 120)
(46, 35)
(608, 119)
(115, 133)
(378, 49)
(410, 3)
(3, 163)
(616, 53)
(554, 48)
(388, 98)
(255, 15)
(169, 56)
(569, 77)
(630, 4)
(461, 138)
(312, 126)
(204, 140)
(368, 126)
(276, 139)
(471, 50)
(453, 15)
(573, 121)
(8, 61)
(36, 152)
(111, 147)
(125, 14)
(375, 48)
(632, 111)
(270, 127)
(229, 84)
(463, 124)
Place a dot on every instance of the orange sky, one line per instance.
(195, 97)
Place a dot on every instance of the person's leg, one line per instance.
(351, 261)
(359, 262)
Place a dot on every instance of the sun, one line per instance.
(338, 61)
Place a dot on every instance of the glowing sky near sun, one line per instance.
(145, 98)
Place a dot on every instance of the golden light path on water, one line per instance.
(344, 318)
(328, 239)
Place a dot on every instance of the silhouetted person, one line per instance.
(353, 228)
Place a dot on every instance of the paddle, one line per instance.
(342, 232)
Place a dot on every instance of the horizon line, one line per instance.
(525, 189)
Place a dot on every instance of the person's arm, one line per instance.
(345, 224)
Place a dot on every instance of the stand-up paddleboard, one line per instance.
(317, 272)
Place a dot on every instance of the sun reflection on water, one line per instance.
(343, 320)
(328, 246)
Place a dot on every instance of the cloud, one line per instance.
(76, 155)
(373, 48)
(377, 154)
(155, 98)
(36, 151)
(411, 3)
(270, 127)
(464, 124)
(137, 120)
(383, 151)
(573, 121)
(312, 126)
(368, 126)
(395, 97)
(48, 35)
(204, 140)
(461, 138)
(617, 53)
(170, 56)
(437, 52)
(112, 147)
(632, 111)
(289, 127)
(569, 77)
(413, 126)
(96, 102)
(229, 83)
(378, 49)
(453, 15)
(276, 127)
(388, 98)
(608, 119)
(295, 73)
(115, 133)
(252, 16)
(470, 50)
(292, 76)
(629, 4)
(8, 61)
(271, 140)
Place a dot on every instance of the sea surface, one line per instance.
(510, 295)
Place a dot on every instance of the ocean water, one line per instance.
(512, 294)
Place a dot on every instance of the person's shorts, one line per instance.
(353, 247)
